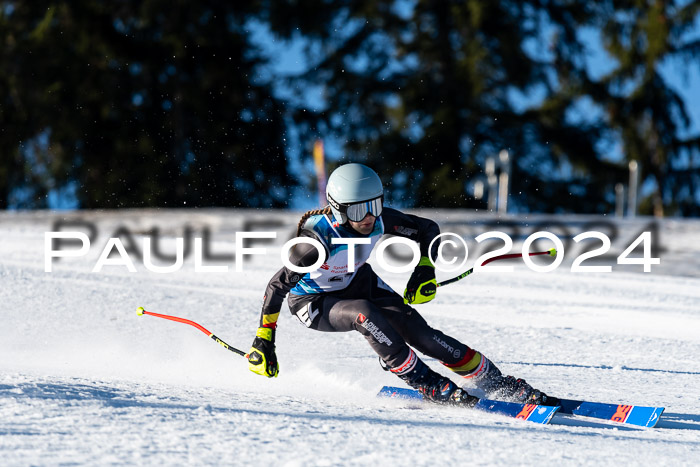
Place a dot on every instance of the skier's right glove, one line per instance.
(261, 356)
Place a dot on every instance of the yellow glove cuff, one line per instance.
(264, 333)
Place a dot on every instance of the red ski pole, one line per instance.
(550, 252)
(140, 311)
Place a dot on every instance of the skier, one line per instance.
(333, 299)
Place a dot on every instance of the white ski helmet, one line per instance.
(353, 191)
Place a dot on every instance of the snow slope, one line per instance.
(84, 380)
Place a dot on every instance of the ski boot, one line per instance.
(518, 390)
(443, 390)
(509, 388)
(433, 386)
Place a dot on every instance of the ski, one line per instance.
(627, 414)
(530, 412)
(620, 413)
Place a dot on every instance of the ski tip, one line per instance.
(645, 416)
(139, 311)
(655, 417)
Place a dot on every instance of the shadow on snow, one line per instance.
(73, 394)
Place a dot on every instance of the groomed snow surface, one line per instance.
(84, 380)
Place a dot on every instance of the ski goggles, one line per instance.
(358, 211)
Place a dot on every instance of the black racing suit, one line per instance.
(368, 305)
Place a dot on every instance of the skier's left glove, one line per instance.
(261, 356)
(422, 285)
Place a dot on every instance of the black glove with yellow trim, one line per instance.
(261, 356)
(422, 285)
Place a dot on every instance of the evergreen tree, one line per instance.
(649, 117)
(159, 103)
(427, 91)
(137, 103)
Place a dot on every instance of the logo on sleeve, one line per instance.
(401, 230)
